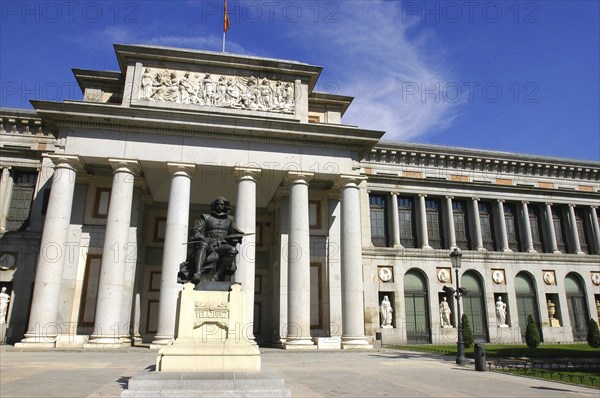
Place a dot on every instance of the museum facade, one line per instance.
(98, 196)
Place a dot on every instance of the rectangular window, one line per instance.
(378, 209)
(559, 229)
(512, 232)
(487, 226)
(17, 218)
(583, 236)
(407, 222)
(535, 223)
(434, 223)
(101, 203)
(461, 224)
(314, 214)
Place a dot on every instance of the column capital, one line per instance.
(125, 166)
(548, 203)
(593, 207)
(348, 180)
(500, 200)
(476, 199)
(449, 197)
(394, 193)
(422, 195)
(183, 169)
(66, 161)
(246, 173)
(572, 205)
(298, 177)
(525, 202)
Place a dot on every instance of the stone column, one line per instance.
(574, 232)
(527, 227)
(477, 224)
(422, 219)
(116, 256)
(298, 333)
(595, 228)
(353, 321)
(450, 223)
(502, 225)
(245, 219)
(42, 330)
(550, 229)
(174, 249)
(5, 195)
(395, 220)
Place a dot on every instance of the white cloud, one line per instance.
(375, 56)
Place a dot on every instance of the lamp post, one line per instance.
(455, 259)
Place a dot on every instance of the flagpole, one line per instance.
(223, 41)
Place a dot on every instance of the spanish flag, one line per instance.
(225, 17)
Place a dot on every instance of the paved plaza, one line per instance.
(376, 373)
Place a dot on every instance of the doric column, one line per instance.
(527, 227)
(502, 225)
(422, 217)
(574, 232)
(550, 229)
(450, 223)
(353, 321)
(298, 330)
(595, 228)
(245, 219)
(477, 224)
(395, 220)
(174, 250)
(42, 330)
(116, 256)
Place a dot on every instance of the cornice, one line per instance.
(461, 159)
(115, 117)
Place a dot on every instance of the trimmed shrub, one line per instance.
(532, 334)
(467, 332)
(593, 335)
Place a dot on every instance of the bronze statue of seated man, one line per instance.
(214, 238)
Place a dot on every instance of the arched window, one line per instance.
(526, 302)
(576, 304)
(417, 308)
(474, 304)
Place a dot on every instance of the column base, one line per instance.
(160, 342)
(426, 247)
(580, 253)
(507, 250)
(71, 341)
(557, 252)
(532, 251)
(36, 342)
(103, 343)
(356, 343)
(300, 343)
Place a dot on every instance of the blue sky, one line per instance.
(517, 76)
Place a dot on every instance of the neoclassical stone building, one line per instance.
(98, 197)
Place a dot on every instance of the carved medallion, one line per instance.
(443, 275)
(7, 261)
(385, 274)
(596, 278)
(498, 276)
(549, 278)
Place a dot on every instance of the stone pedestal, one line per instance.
(211, 355)
(211, 334)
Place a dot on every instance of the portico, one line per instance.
(180, 153)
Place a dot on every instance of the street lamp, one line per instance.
(455, 259)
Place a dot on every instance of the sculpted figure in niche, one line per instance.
(500, 312)
(214, 238)
(4, 299)
(445, 313)
(386, 313)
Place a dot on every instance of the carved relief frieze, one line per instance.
(223, 91)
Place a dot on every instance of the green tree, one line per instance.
(467, 332)
(593, 336)
(532, 334)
